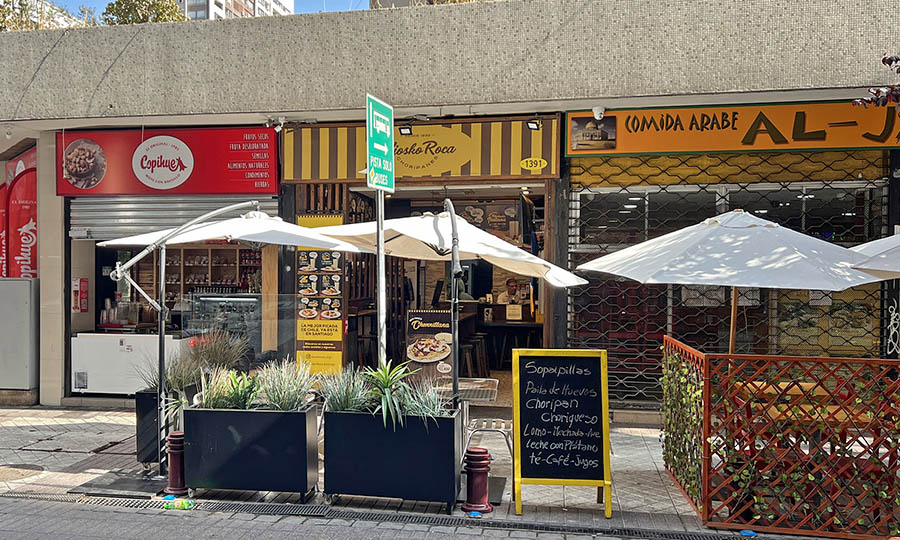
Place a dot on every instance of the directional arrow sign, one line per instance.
(379, 144)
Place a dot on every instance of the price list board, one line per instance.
(561, 419)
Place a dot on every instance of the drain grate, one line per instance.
(123, 502)
(276, 509)
(433, 520)
(42, 497)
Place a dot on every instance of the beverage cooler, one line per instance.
(238, 314)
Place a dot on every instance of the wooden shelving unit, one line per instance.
(229, 267)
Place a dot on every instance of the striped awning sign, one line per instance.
(465, 149)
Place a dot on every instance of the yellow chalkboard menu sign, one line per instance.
(561, 419)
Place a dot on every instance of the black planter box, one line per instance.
(254, 450)
(418, 461)
(146, 426)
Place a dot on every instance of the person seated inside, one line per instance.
(511, 294)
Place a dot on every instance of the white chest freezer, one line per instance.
(109, 363)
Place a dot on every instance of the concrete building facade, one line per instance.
(518, 57)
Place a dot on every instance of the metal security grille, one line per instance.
(615, 202)
(105, 218)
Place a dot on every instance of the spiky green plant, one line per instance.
(214, 389)
(285, 385)
(388, 387)
(226, 389)
(345, 391)
(423, 399)
(216, 348)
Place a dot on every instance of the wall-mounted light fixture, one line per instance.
(534, 124)
(405, 130)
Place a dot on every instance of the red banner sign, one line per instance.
(18, 164)
(3, 189)
(229, 161)
(21, 219)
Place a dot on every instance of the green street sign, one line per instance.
(379, 144)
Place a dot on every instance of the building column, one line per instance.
(51, 268)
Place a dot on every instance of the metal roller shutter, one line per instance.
(106, 218)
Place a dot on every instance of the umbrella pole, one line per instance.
(732, 333)
(455, 272)
(162, 427)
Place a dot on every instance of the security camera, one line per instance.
(599, 112)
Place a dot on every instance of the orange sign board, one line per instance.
(735, 128)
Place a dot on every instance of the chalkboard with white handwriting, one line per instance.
(560, 416)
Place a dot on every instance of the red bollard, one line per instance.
(478, 465)
(175, 450)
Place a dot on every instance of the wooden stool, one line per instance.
(481, 356)
(365, 347)
(465, 353)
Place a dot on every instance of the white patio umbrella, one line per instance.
(429, 237)
(737, 249)
(881, 257)
(448, 237)
(254, 227)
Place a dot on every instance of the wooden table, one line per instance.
(500, 331)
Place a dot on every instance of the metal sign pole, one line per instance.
(380, 177)
(382, 290)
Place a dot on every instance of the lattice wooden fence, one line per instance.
(787, 444)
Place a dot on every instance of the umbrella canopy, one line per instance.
(881, 257)
(428, 237)
(737, 249)
(252, 227)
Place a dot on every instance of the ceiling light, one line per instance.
(405, 130)
(849, 214)
(635, 198)
(534, 124)
(806, 196)
(629, 206)
(624, 211)
(760, 211)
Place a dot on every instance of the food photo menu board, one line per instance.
(429, 342)
(561, 419)
(320, 302)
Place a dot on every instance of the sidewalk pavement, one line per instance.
(22, 519)
(49, 451)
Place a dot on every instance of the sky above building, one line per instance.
(300, 6)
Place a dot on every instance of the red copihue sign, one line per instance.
(228, 161)
(21, 225)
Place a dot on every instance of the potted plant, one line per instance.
(386, 437)
(182, 376)
(253, 432)
(183, 367)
